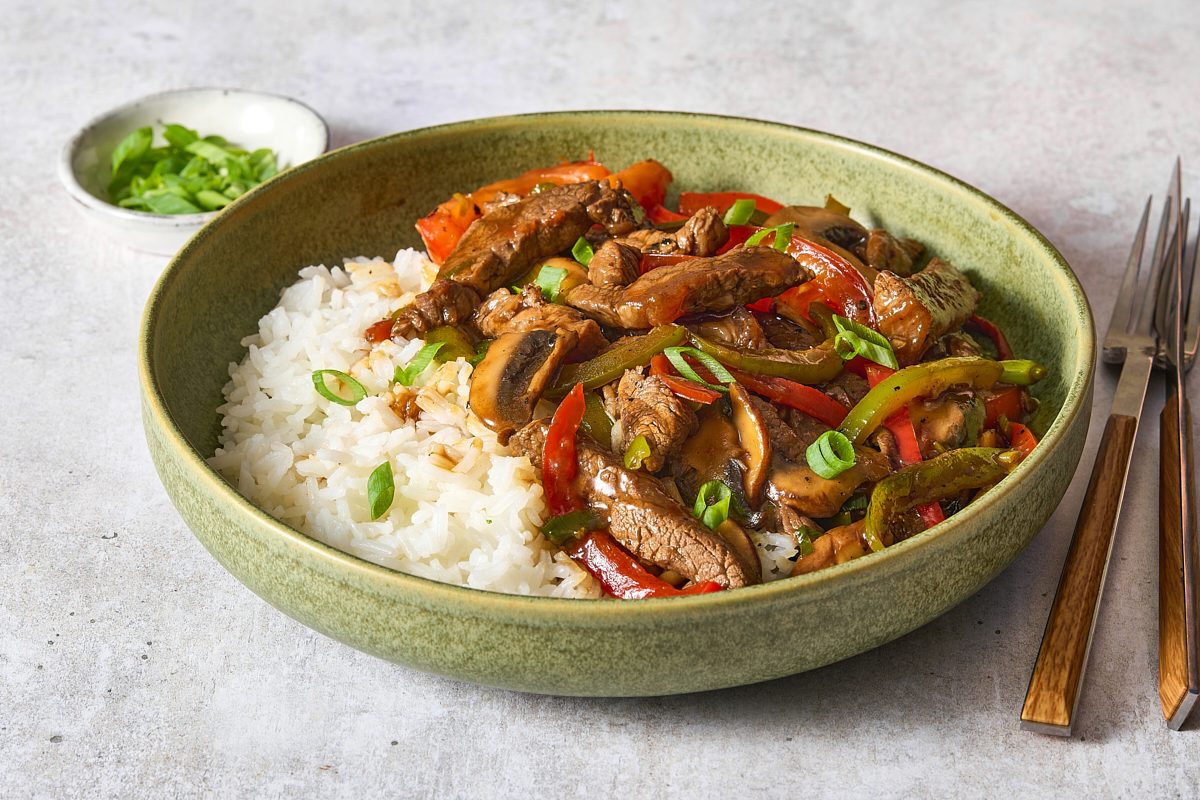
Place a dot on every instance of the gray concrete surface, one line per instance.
(132, 665)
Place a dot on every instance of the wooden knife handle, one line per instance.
(1177, 679)
(1058, 674)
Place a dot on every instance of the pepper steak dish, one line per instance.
(691, 385)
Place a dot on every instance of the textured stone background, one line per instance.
(131, 664)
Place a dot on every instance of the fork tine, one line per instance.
(1150, 297)
(1192, 303)
(1164, 310)
(1119, 322)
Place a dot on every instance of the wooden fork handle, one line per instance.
(1058, 674)
(1178, 682)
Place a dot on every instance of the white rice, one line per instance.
(465, 510)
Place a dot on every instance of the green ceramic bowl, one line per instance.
(364, 199)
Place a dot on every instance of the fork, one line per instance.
(1178, 670)
(1057, 678)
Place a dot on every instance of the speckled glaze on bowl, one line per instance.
(364, 199)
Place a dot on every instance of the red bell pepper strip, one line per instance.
(691, 202)
(660, 214)
(901, 427)
(646, 180)
(738, 234)
(1021, 439)
(687, 389)
(620, 573)
(444, 226)
(559, 464)
(990, 330)
(379, 331)
(813, 402)
(834, 279)
(1007, 404)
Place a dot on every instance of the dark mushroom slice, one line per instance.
(829, 229)
(643, 517)
(755, 441)
(915, 312)
(714, 454)
(508, 383)
(837, 546)
(796, 485)
(699, 285)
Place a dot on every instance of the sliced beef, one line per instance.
(701, 235)
(503, 312)
(643, 517)
(445, 303)
(914, 312)
(716, 284)
(886, 252)
(786, 440)
(847, 388)
(614, 264)
(646, 407)
(739, 328)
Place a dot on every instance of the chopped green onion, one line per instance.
(855, 339)
(830, 455)
(676, 356)
(783, 236)
(712, 504)
(132, 148)
(582, 251)
(356, 389)
(637, 452)
(740, 212)
(567, 526)
(381, 489)
(412, 370)
(549, 280)
(804, 539)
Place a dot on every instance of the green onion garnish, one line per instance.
(381, 489)
(676, 356)
(637, 452)
(567, 526)
(412, 370)
(480, 351)
(740, 212)
(830, 455)
(712, 504)
(549, 280)
(854, 339)
(804, 540)
(357, 390)
(582, 251)
(783, 236)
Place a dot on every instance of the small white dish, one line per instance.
(249, 119)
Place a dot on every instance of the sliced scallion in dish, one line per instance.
(712, 504)
(854, 339)
(804, 540)
(783, 236)
(676, 356)
(582, 251)
(549, 279)
(381, 489)
(353, 391)
(740, 212)
(412, 370)
(830, 455)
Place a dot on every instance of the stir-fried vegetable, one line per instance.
(582, 251)
(712, 503)
(406, 375)
(567, 526)
(813, 402)
(813, 366)
(853, 339)
(781, 236)
(381, 489)
(830, 455)
(559, 465)
(935, 479)
(637, 452)
(621, 575)
(687, 389)
(676, 355)
(355, 389)
(691, 202)
(452, 344)
(929, 380)
(596, 422)
(608, 366)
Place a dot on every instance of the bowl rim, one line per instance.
(540, 610)
(70, 180)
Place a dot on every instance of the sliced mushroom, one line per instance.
(796, 485)
(827, 228)
(512, 376)
(713, 453)
(836, 547)
(755, 441)
(737, 538)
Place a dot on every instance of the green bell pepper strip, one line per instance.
(1021, 372)
(928, 481)
(455, 343)
(929, 380)
(633, 351)
(596, 423)
(815, 365)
